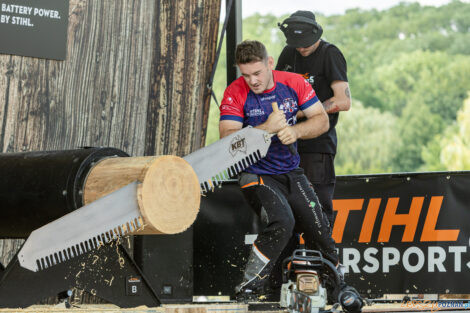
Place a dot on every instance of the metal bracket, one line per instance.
(102, 273)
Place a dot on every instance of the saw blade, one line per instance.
(228, 156)
(82, 230)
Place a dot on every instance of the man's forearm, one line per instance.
(341, 100)
(225, 132)
(312, 127)
(331, 105)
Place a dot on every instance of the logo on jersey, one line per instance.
(255, 112)
(292, 121)
(237, 144)
(268, 98)
(288, 105)
(310, 94)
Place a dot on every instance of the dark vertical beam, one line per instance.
(234, 36)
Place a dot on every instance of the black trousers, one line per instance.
(287, 204)
(320, 171)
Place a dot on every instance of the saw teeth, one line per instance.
(88, 245)
(230, 172)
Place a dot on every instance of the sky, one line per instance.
(326, 7)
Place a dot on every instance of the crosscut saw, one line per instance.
(117, 214)
(229, 156)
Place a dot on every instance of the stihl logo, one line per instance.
(429, 233)
(237, 144)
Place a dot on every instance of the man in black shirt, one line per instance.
(323, 65)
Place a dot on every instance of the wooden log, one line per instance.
(169, 194)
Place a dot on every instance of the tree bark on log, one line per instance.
(134, 78)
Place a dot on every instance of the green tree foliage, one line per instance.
(451, 149)
(367, 141)
(435, 79)
(417, 126)
(456, 148)
(408, 73)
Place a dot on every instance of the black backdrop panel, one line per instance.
(430, 254)
(166, 263)
(219, 240)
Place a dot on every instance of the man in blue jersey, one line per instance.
(275, 186)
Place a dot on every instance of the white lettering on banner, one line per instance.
(436, 256)
(457, 260)
(375, 265)
(351, 262)
(24, 10)
(406, 259)
(46, 13)
(390, 257)
(22, 21)
(17, 9)
(412, 260)
(4, 19)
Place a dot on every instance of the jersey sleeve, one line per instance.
(231, 107)
(336, 67)
(306, 95)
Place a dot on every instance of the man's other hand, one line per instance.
(276, 121)
(287, 135)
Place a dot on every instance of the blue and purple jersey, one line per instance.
(292, 93)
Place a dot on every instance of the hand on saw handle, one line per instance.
(286, 134)
(276, 122)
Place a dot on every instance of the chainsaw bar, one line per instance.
(83, 230)
(228, 156)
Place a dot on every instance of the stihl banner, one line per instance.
(35, 28)
(404, 232)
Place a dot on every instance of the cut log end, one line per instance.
(169, 194)
(169, 197)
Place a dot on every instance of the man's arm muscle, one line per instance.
(226, 127)
(316, 124)
(341, 100)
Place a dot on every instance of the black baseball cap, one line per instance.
(301, 29)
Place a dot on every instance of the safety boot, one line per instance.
(255, 276)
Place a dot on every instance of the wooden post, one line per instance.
(134, 78)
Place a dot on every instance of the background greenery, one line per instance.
(409, 74)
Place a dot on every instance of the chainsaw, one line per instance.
(304, 290)
(61, 240)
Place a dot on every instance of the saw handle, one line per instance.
(292, 149)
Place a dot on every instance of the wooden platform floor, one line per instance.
(206, 308)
